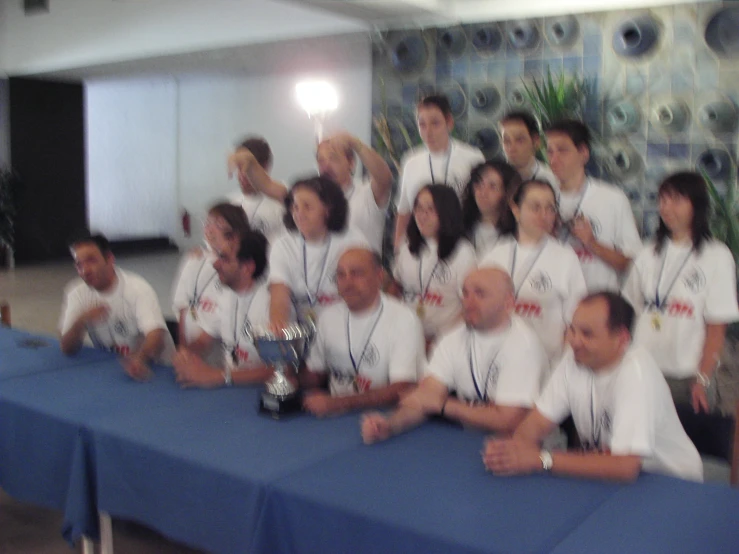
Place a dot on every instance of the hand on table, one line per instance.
(510, 456)
(136, 368)
(192, 371)
(375, 428)
(320, 403)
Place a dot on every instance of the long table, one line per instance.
(205, 469)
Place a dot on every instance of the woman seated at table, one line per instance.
(303, 260)
(487, 217)
(547, 278)
(432, 264)
(683, 287)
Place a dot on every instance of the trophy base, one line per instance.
(279, 407)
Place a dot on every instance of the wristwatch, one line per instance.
(702, 379)
(546, 460)
(227, 378)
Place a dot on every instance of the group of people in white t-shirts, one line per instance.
(506, 278)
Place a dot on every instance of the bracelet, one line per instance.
(227, 378)
(443, 407)
(546, 460)
(702, 379)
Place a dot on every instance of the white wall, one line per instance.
(176, 135)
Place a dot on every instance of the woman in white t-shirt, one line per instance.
(683, 288)
(547, 278)
(197, 289)
(303, 260)
(485, 204)
(432, 264)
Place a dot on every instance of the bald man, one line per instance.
(493, 363)
(369, 348)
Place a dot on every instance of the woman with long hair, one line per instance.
(683, 288)
(547, 278)
(303, 260)
(432, 264)
(486, 213)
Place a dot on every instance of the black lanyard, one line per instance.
(357, 363)
(483, 394)
(517, 288)
(234, 350)
(195, 296)
(661, 304)
(313, 297)
(446, 170)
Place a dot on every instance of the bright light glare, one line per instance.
(317, 97)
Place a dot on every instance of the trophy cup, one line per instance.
(284, 350)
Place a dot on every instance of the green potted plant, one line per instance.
(7, 216)
(558, 98)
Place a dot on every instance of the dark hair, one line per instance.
(693, 187)
(519, 193)
(436, 100)
(506, 224)
(523, 117)
(331, 196)
(233, 215)
(577, 131)
(620, 311)
(260, 148)
(253, 247)
(451, 228)
(85, 237)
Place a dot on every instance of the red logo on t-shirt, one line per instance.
(123, 350)
(583, 254)
(327, 299)
(433, 299)
(243, 355)
(680, 308)
(527, 308)
(363, 384)
(207, 305)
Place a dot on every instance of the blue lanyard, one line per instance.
(357, 363)
(517, 288)
(568, 228)
(661, 304)
(482, 394)
(425, 289)
(313, 297)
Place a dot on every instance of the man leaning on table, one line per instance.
(619, 401)
(494, 362)
(368, 349)
(241, 266)
(117, 309)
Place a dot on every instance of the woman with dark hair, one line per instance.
(683, 288)
(197, 289)
(487, 215)
(547, 277)
(432, 265)
(303, 260)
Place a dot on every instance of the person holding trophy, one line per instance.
(241, 265)
(368, 348)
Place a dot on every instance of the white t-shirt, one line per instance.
(237, 314)
(365, 215)
(503, 367)
(695, 289)
(612, 220)
(386, 344)
(134, 312)
(549, 284)
(197, 286)
(264, 213)
(484, 238)
(452, 168)
(308, 269)
(627, 410)
(438, 282)
(542, 172)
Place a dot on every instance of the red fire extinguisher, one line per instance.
(186, 222)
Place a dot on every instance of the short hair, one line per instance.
(439, 101)
(85, 237)
(375, 256)
(523, 117)
(260, 148)
(519, 194)
(577, 131)
(348, 151)
(692, 186)
(451, 226)
(471, 213)
(234, 216)
(620, 311)
(330, 195)
(253, 247)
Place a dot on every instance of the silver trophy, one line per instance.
(284, 350)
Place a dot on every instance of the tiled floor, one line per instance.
(35, 295)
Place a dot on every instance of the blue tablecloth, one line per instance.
(203, 468)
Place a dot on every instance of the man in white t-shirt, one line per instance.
(618, 399)
(262, 210)
(597, 216)
(368, 349)
(117, 309)
(494, 362)
(244, 305)
(521, 139)
(368, 202)
(442, 161)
